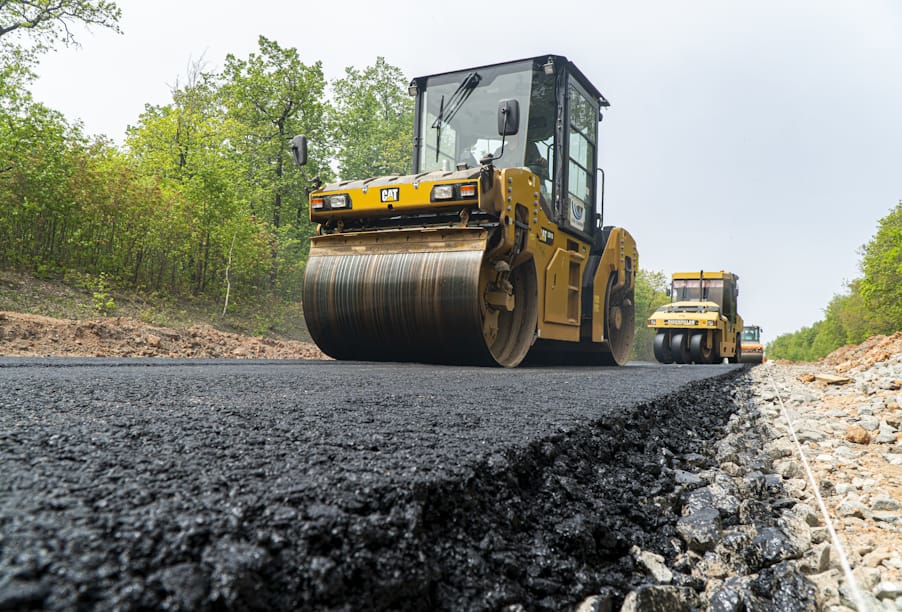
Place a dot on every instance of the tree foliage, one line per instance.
(49, 21)
(872, 305)
(268, 98)
(881, 286)
(373, 122)
(204, 185)
(651, 292)
(181, 145)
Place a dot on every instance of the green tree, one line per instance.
(40, 151)
(796, 346)
(881, 286)
(35, 145)
(873, 304)
(373, 122)
(651, 292)
(845, 322)
(270, 97)
(50, 21)
(185, 145)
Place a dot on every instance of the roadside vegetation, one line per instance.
(872, 304)
(201, 205)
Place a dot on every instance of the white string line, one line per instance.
(843, 559)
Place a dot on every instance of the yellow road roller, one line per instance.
(752, 347)
(493, 251)
(701, 324)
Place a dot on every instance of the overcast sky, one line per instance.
(763, 138)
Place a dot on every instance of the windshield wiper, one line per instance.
(455, 102)
(457, 99)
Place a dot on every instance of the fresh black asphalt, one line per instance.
(148, 484)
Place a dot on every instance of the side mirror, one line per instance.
(299, 150)
(508, 117)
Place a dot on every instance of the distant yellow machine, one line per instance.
(701, 324)
(752, 347)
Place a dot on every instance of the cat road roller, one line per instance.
(752, 347)
(493, 251)
(701, 324)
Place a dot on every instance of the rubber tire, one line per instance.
(679, 348)
(737, 358)
(619, 341)
(662, 348)
(697, 349)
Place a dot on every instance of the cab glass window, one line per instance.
(459, 123)
(583, 137)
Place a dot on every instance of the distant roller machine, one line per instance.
(701, 324)
(752, 347)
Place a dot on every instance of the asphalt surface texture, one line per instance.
(194, 485)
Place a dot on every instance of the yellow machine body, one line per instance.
(702, 324)
(752, 347)
(472, 265)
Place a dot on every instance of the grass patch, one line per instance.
(80, 296)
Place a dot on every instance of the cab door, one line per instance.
(578, 205)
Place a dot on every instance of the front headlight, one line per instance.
(456, 191)
(339, 201)
(652, 322)
(443, 192)
(712, 323)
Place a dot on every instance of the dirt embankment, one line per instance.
(862, 356)
(26, 335)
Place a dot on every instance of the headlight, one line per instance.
(339, 201)
(330, 202)
(712, 323)
(652, 322)
(458, 191)
(443, 192)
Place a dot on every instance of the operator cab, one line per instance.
(751, 334)
(722, 290)
(458, 125)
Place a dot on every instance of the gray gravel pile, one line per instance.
(738, 533)
(197, 486)
(851, 434)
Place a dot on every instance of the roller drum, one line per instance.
(408, 295)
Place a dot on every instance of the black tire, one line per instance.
(662, 348)
(697, 349)
(737, 358)
(679, 347)
(620, 322)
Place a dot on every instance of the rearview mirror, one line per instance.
(508, 117)
(299, 150)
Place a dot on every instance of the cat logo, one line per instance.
(390, 194)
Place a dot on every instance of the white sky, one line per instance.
(763, 138)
